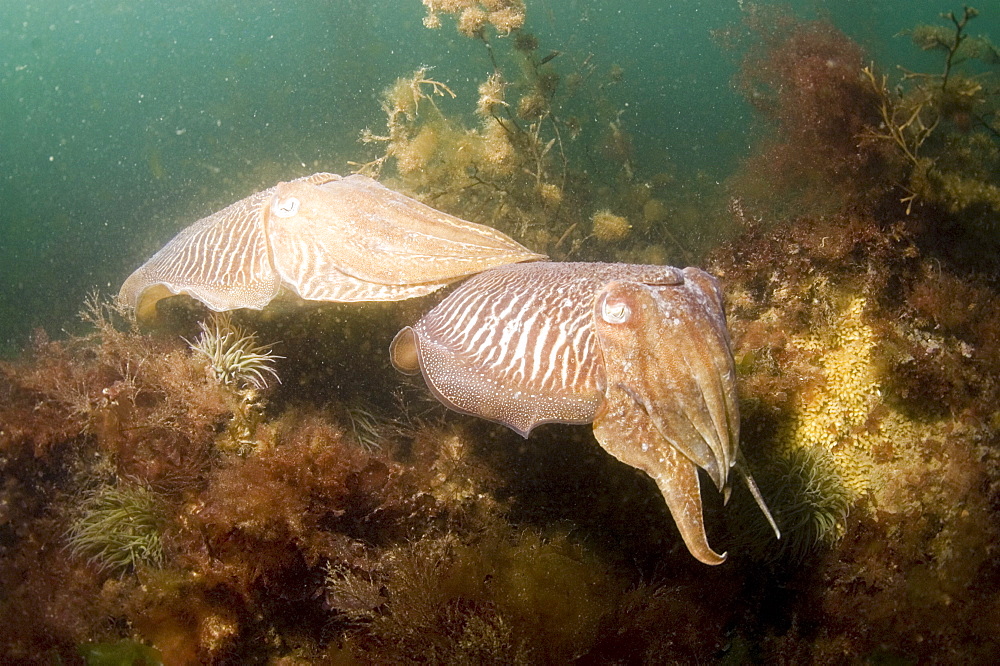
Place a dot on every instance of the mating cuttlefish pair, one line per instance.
(642, 352)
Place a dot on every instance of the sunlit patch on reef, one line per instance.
(834, 418)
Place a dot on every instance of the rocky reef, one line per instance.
(165, 499)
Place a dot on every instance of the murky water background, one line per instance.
(122, 122)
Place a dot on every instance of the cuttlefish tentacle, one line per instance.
(667, 350)
(707, 295)
(321, 238)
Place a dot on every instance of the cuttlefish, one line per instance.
(642, 352)
(320, 238)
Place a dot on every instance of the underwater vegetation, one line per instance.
(802, 79)
(120, 652)
(341, 522)
(932, 137)
(865, 337)
(473, 16)
(878, 474)
(545, 139)
(946, 124)
(608, 227)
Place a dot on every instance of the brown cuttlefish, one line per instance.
(318, 238)
(642, 352)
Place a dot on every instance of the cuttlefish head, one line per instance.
(670, 398)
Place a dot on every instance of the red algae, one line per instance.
(805, 78)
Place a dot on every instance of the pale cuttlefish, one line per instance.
(318, 238)
(642, 352)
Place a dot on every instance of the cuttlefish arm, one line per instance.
(625, 431)
(667, 349)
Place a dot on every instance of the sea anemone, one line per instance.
(234, 358)
(117, 528)
(367, 427)
(809, 503)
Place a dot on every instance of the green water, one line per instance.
(122, 121)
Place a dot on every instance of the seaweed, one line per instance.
(867, 418)
(946, 125)
(523, 160)
(803, 79)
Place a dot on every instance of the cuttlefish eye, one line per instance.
(615, 312)
(285, 207)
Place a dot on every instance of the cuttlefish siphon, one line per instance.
(320, 238)
(642, 352)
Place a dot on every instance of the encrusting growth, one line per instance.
(832, 418)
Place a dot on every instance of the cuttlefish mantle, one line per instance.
(320, 238)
